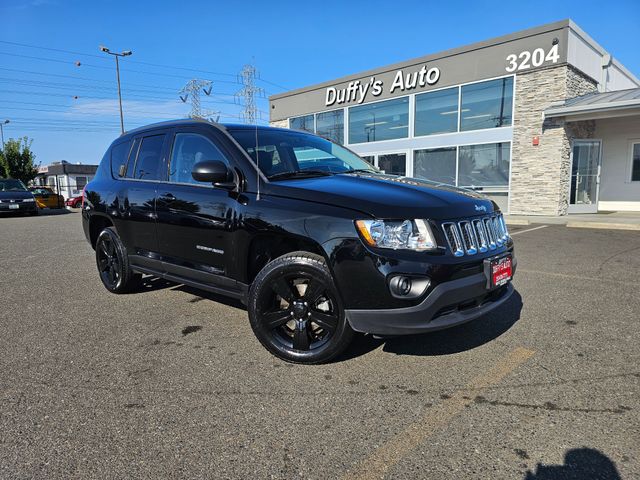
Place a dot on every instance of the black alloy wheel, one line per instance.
(113, 263)
(296, 312)
(108, 262)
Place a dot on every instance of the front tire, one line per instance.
(296, 312)
(113, 263)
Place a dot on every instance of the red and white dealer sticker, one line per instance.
(501, 271)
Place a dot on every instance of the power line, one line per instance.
(157, 65)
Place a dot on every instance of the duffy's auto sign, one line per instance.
(357, 91)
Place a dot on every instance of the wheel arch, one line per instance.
(97, 223)
(267, 247)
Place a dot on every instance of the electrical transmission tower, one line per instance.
(247, 95)
(192, 90)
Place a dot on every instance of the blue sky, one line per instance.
(292, 44)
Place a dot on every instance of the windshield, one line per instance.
(11, 185)
(280, 152)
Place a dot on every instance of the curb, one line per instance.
(604, 226)
(516, 221)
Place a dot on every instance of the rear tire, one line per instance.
(296, 312)
(113, 263)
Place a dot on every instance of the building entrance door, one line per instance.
(585, 176)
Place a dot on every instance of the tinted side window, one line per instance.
(149, 161)
(119, 155)
(189, 149)
(132, 157)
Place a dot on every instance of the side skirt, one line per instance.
(239, 293)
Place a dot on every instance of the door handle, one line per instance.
(169, 196)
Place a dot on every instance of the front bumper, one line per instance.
(22, 207)
(449, 304)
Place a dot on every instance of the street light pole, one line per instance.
(2, 133)
(126, 53)
(119, 94)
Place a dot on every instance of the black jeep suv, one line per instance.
(316, 242)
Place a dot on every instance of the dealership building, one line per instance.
(544, 121)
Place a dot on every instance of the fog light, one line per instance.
(403, 286)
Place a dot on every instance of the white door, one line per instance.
(585, 176)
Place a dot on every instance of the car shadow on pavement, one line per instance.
(152, 284)
(48, 212)
(445, 342)
(200, 295)
(579, 464)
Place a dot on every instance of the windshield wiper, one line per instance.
(360, 170)
(299, 173)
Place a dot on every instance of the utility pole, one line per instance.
(2, 133)
(246, 95)
(126, 53)
(192, 89)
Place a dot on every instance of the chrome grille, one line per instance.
(478, 235)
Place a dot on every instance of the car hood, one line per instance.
(386, 196)
(15, 195)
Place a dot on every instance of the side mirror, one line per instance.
(215, 172)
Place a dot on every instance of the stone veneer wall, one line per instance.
(540, 175)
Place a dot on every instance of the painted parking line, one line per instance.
(389, 454)
(528, 230)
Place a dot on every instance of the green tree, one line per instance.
(17, 160)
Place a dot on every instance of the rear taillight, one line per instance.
(83, 194)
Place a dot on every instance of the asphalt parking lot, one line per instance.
(168, 383)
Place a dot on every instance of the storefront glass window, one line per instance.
(635, 167)
(379, 121)
(484, 165)
(331, 125)
(486, 104)
(437, 112)
(437, 165)
(393, 163)
(302, 123)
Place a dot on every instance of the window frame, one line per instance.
(213, 137)
(315, 124)
(86, 180)
(453, 148)
(344, 130)
(489, 80)
(412, 99)
(162, 154)
(491, 187)
(458, 107)
(410, 119)
(632, 143)
(312, 115)
(131, 143)
(191, 131)
(136, 143)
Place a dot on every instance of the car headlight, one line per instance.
(397, 234)
(29, 200)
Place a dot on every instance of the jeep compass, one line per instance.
(316, 242)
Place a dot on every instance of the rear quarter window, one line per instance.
(119, 156)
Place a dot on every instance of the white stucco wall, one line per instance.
(617, 191)
(588, 56)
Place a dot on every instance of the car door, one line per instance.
(195, 219)
(137, 195)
